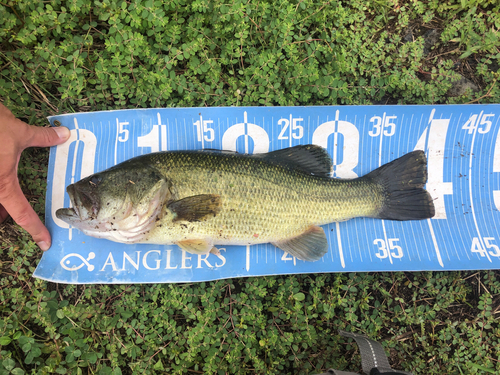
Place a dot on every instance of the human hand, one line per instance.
(16, 136)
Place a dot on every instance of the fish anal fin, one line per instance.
(215, 251)
(310, 245)
(311, 159)
(196, 246)
(196, 208)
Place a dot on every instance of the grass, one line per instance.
(81, 55)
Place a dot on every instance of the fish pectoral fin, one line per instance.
(196, 208)
(196, 246)
(310, 245)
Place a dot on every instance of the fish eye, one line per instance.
(95, 180)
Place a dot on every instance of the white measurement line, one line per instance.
(176, 132)
(272, 126)
(381, 137)
(200, 133)
(185, 135)
(429, 222)
(470, 186)
(163, 133)
(337, 224)
(131, 150)
(386, 242)
(431, 117)
(77, 142)
(496, 167)
(246, 131)
(434, 241)
(380, 164)
(463, 235)
(167, 128)
(73, 169)
(116, 139)
(401, 143)
(341, 252)
(365, 220)
(335, 140)
(248, 258)
(106, 129)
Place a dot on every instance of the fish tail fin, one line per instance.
(403, 183)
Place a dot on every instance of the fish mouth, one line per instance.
(66, 214)
(70, 213)
(83, 207)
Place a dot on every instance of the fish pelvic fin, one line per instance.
(196, 208)
(310, 245)
(402, 181)
(196, 246)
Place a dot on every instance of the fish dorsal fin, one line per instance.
(196, 246)
(310, 245)
(311, 159)
(196, 208)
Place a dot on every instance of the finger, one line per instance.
(46, 137)
(16, 204)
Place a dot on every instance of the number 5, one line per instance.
(297, 127)
(122, 132)
(210, 132)
(486, 122)
(392, 246)
(496, 250)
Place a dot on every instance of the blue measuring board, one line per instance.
(462, 143)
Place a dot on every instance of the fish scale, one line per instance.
(261, 202)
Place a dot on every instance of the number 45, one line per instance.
(481, 122)
(477, 247)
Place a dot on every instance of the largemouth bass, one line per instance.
(199, 199)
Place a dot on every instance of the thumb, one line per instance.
(46, 137)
